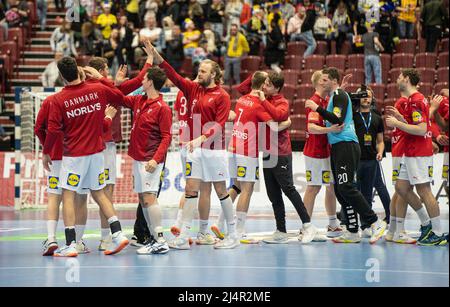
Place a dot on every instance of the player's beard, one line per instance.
(206, 82)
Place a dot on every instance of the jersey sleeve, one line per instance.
(280, 112)
(165, 125)
(55, 127)
(246, 86)
(262, 115)
(130, 86)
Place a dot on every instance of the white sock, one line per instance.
(79, 231)
(51, 230)
(203, 226)
(190, 204)
(393, 224)
(105, 232)
(332, 221)
(148, 220)
(179, 222)
(154, 212)
(423, 216)
(221, 221)
(240, 221)
(227, 208)
(400, 224)
(436, 225)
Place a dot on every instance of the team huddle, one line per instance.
(80, 126)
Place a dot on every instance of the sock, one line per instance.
(423, 216)
(105, 232)
(221, 221)
(114, 224)
(203, 226)
(227, 208)
(51, 230)
(436, 225)
(79, 231)
(332, 221)
(154, 212)
(179, 222)
(148, 221)
(70, 235)
(393, 224)
(190, 205)
(400, 224)
(240, 221)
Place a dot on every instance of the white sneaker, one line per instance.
(66, 251)
(277, 237)
(49, 247)
(180, 243)
(348, 237)
(230, 242)
(366, 233)
(82, 248)
(378, 229)
(205, 239)
(320, 238)
(119, 242)
(104, 244)
(309, 232)
(333, 232)
(154, 247)
(403, 238)
(389, 236)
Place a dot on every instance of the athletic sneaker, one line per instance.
(154, 247)
(48, 248)
(215, 229)
(82, 248)
(205, 239)
(366, 233)
(433, 240)
(66, 251)
(105, 243)
(277, 237)
(348, 237)
(403, 238)
(229, 242)
(119, 242)
(333, 232)
(180, 243)
(389, 236)
(308, 233)
(424, 232)
(319, 238)
(378, 228)
(244, 239)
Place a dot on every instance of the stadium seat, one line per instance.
(402, 60)
(427, 75)
(305, 91)
(358, 77)
(298, 127)
(352, 87)
(9, 49)
(439, 86)
(443, 47)
(322, 48)
(296, 48)
(305, 76)
(378, 91)
(291, 76)
(355, 61)
(426, 59)
(443, 59)
(83, 60)
(289, 92)
(392, 91)
(394, 73)
(251, 63)
(346, 48)
(314, 62)
(187, 67)
(336, 60)
(298, 107)
(2, 35)
(406, 46)
(442, 74)
(426, 88)
(293, 62)
(17, 35)
(385, 61)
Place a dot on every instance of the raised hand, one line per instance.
(110, 112)
(92, 73)
(121, 75)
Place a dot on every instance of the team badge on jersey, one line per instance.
(53, 182)
(430, 171)
(257, 173)
(101, 178)
(106, 173)
(325, 176)
(73, 179)
(445, 172)
(188, 169)
(416, 117)
(337, 111)
(308, 176)
(241, 171)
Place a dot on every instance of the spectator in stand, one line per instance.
(191, 37)
(106, 20)
(211, 37)
(91, 38)
(172, 8)
(59, 4)
(301, 29)
(3, 23)
(174, 48)
(126, 34)
(50, 77)
(273, 54)
(62, 40)
(406, 18)
(341, 22)
(17, 14)
(434, 19)
(372, 49)
(233, 11)
(237, 47)
(195, 13)
(41, 10)
(386, 30)
(200, 53)
(132, 12)
(167, 26)
(256, 30)
(309, 5)
(113, 51)
(149, 7)
(246, 13)
(152, 32)
(359, 28)
(287, 10)
(215, 15)
(82, 17)
(323, 27)
(371, 9)
(274, 9)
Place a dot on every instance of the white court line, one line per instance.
(223, 267)
(13, 229)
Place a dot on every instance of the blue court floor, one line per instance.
(315, 264)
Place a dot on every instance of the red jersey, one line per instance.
(416, 112)
(316, 145)
(151, 131)
(77, 113)
(398, 136)
(183, 108)
(212, 105)
(443, 112)
(278, 108)
(245, 135)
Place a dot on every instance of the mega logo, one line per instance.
(188, 169)
(241, 171)
(308, 176)
(53, 182)
(101, 178)
(73, 179)
(325, 176)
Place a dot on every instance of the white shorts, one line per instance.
(445, 168)
(416, 170)
(183, 155)
(318, 171)
(86, 172)
(207, 165)
(110, 163)
(145, 182)
(396, 163)
(243, 168)
(53, 183)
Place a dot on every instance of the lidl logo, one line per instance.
(416, 117)
(101, 178)
(325, 176)
(337, 111)
(308, 176)
(188, 168)
(106, 173)
(394, 175)
(241, 171)
(53, 182)
(445, 172)
(73, 179)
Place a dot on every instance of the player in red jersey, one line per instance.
(417, 167)
(77, 115)
(441, 117)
